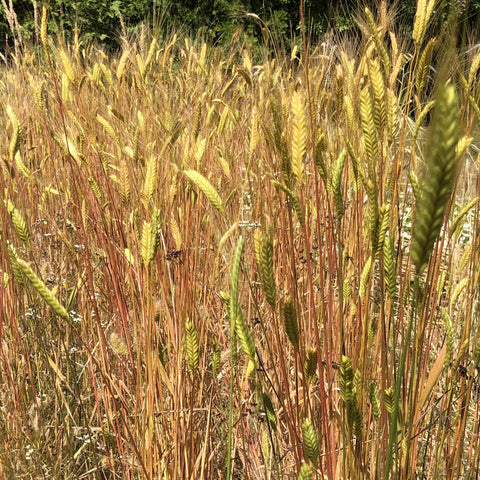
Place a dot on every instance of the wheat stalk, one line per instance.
(235, 275)
(472, 74)
(151, 181)
(294, 199)
(216, 358)
(392, 115)
(108, 128)
(150, 237)
(421, 117)
(458, 291)
(254, 137)
(175, 231)
(384, 221)
(124, 183)
(16, 270)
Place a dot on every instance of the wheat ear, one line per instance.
(424, 65)
(206, 187)
(369, 133)
(378, 89)
(457, 221)
(43, 28)
(235, 275)
(310, 365)
(67, 65)
(365, 278)
(377, 40)
(389, 400)
(422, 17)
(299, 136)
(246, 340)
(305, 472)
(390, 267)
(19, 223)
(439, 177)
(44, 292)
(310, 441)
(337, 175)
(374, 400)
(270, 412)
(16, 270)
(291, 323)
(264, 257)
(192, 347)
(346, 380)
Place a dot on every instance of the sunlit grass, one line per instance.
(206, 260)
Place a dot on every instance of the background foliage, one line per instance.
(102, 21)
(217, 20)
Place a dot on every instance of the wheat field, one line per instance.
(238, 263)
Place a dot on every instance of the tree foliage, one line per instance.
(102, 21)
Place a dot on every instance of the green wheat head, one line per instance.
(310, 365)
(43, 291)
(269, 411)
(264, 257)
(192, 347)
(439, 176)
(305, 472)
(291, 323)
(310, 441)
(246, 340)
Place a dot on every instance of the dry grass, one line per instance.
(206, 261)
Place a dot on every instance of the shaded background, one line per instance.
(216, 20)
